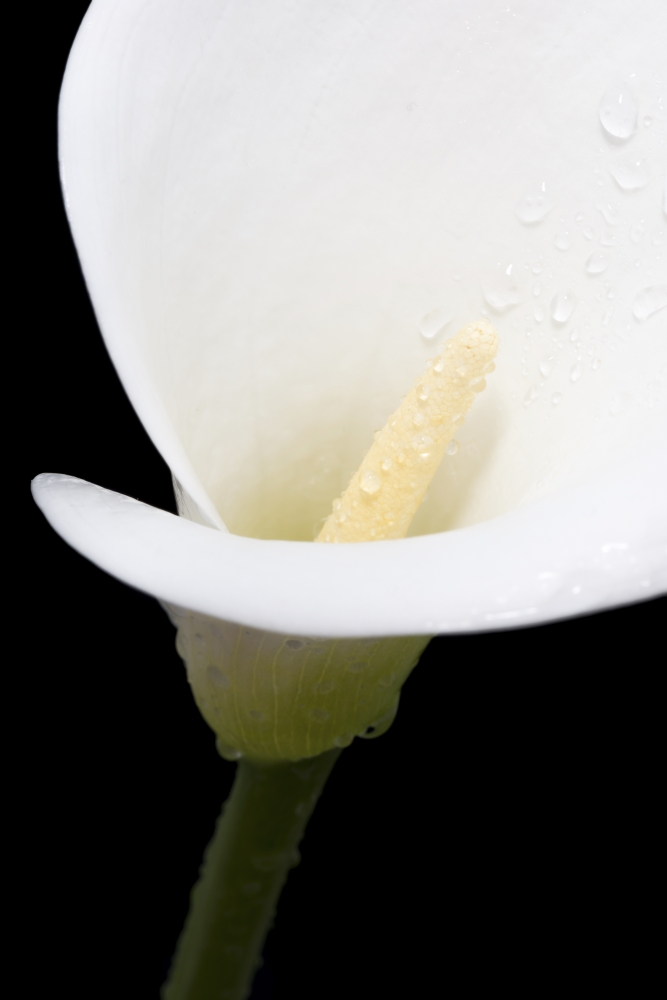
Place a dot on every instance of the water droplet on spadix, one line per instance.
(649, 301)
(618, 112)
(370, 482)
(562, 306)
(535, 204)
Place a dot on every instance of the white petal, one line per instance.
(567, 554)
(268, 199)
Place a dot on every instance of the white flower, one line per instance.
(274, 203)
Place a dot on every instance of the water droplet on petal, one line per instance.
(452, 448)
(636, 232)
(539, 314)
(422, 392)
(649, 301)
(537, 289)
(535, 204)
(596, 364)
(531, 395)
(576, 373)
(588, 232)
(477, 384)
(434, 322)
(545, 367)
(499, 290)
(562, 306)
(370, 482)
(556, 398)
(618, 112)
(597, 263)
(386, 464)
(647, 120)
(344, 740)
(630, 173)
(562, 241)
(658, 238)
(609, 212)
(294, 644)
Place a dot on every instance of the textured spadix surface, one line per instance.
(282, 208)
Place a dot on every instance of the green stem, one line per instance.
(245, 867)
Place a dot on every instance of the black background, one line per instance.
(501, 836)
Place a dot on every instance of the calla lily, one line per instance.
(279, 211)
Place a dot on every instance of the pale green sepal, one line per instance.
(273, 697)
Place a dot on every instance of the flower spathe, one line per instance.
(269, 201)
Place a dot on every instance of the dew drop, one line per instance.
(545, 367)
(539, 314)
(596, 263)
(344, 740)
(649, 301)
(294, 644)
(370, 482)
(434, 322)
(609, 213)
(608, 240)
(499, 290)
(422, 444)
(324, 687)
(606, 315)
(537, 289)
(596, 364)
(452, 448)
(562, 240)
(630, 173)
(535, 205)
(386, 464)
(658, 238)
(636, 232)
(418, 418)
(531, 395)
(217, 677)
(439, 365)
(489, 368)
(422, 392)
(647, 120)
(579, 217)
(588, 232)
(618, 112)
(556, 398)
(575, 373)
(562, 306)
(477, 384)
